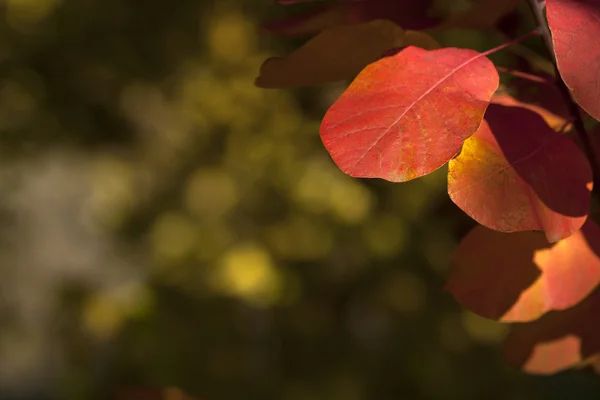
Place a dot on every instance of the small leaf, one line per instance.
(338, 54)
(557, 341)
(575, 26)
(406, 115)
(517, 174)
(519, 276)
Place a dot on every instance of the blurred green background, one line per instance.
(165, 223)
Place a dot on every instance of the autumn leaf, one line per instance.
(406, 115)
(409, 14)
(520, 276)
(575, 27)
(338, 54)
(517, 174)
(557, 341)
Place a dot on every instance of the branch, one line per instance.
(584, 139)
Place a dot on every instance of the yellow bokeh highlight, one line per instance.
(210, 193)
(248, 272)
(174, 237)
(323, 188)
(213, 241)
(20, 14)
(231, 37)
(113, 194)
(105, 312)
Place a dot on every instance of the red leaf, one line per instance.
(575, 26)
(557, 341)
(406, 115)
(517, 174)
(519, 276)
(409, 14)
(338, 54)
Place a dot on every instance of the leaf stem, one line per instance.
(535, 32)
(588, 148)
(524, 75)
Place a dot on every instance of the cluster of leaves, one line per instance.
(513, 150)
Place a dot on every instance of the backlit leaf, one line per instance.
(517, 174)
(557, 341)
(338, 54)
(575, 26)
(518, 277)
(406, 115)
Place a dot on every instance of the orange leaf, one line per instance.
(557, 341)
(406, 115)
(517, 174)
(518, 277)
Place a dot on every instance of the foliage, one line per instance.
(164, 223)
(515, 164)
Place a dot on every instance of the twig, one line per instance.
(584, 139)
(524, 75)
(535, 32)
